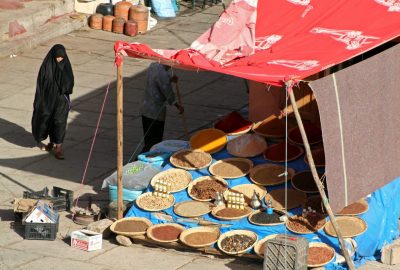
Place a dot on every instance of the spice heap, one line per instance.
(277, 152)
(192, 208)
(201, 238)
(233, 123)
(273, 129)
(232, 213)
(308, 222)
(237, 243)
(177, 178)
(150, 202)
(190, 160)
(319, 255)
(269, 174)
(354, 208)
(348, 225)
(265, 218)
(166, 233)
(207, 189)
(209, 140)
(133, 226)
(231, 168)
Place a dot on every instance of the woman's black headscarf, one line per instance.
(55, 81)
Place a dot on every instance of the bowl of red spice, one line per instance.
(131, 226)
(165, 233)
(313, 132)
(234, 124)
(277, 152)
(319, 254)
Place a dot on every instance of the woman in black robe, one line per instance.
(52, 103)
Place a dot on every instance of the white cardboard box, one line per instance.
(86, 240)
(41, 213)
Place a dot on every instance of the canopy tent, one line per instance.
(282, 42)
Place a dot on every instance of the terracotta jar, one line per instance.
(118, 25)
(131, 28)
(107, 23)
(138, 13)
(96, 21)
(142, 26)
(122, 9)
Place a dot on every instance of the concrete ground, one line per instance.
(206, 96)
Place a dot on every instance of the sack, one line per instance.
(135, 176)
(163, 8)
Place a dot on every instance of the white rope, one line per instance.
(341, 138)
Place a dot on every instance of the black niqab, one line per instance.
(55, 83)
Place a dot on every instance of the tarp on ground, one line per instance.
(270, 41)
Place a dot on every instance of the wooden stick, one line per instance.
(120, 116)
(178, 93)
(349, 261)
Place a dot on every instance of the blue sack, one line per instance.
(163, 8)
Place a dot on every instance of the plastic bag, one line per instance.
(135, 176)
(163, 8)
(170, 146)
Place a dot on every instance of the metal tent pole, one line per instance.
(120, 91)
(327, 206)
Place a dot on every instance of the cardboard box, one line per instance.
(41, 213)
(86, 240)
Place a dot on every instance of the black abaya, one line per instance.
(51, 106)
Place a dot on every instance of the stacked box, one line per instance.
(286, 252)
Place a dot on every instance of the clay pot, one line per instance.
(118, 25)
(131, 28)
(105, 9)
(122, 9)
(142, 26)
(96, 21)
(107, 23)
(138, 13)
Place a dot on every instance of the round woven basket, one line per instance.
(150, 230)
(201, 179)
(233, 124)
(215, 210)
(247, 145)
(177, 156)
(318, 155)
(263, 224)
(143, 207)
(349, 226)
(272, 129)
(301, 179)
(258, 246)
(322, 245)
(205, 208)
(230, 162)
(300, 232)
(268, 174)
(251, 234)
(295, 198)
(276, 152)
(145, 220)
(182, 174)
(248, 190)
(361, 209)
(201, 229)
(314, 134)
(210, 140)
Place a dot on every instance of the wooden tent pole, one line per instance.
(120, 91)
(349, 261)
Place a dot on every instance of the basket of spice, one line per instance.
(306, 223)
(165, 233)
(304, 181)
(259, 247)
(191, 159)
(209, 140)
(149, 202)
(313, 132)
(230, 168)
(247, 145)
(131, 226)
(349, 226)
(277, 152)
(263, 218)
(192, 209)
(233, 124)
(270, 174)
(319, 254)
(178, 178)
(357, 208)
(199, 237)
(225, 213)
(272, 129)
(205, 188)
(237, 241)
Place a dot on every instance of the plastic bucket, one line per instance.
(127, 194)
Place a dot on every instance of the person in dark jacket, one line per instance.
(52, 102)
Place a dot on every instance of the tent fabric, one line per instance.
(273, 41)
(360, 130)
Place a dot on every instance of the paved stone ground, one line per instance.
(206, 96)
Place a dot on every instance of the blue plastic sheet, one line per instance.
(381, 218)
